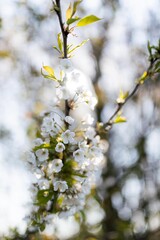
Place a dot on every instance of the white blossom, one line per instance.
(60, 147)
(53, 133)
(66, 214)
(79, 156)
(62, 93)
(66, 65)
(80, 90)
(57, 116)
(48, 123)
(55, 166)
(83, 145)
(42, 154)
(92, 101)
(103, 145)
(49, 217)
(30, 156)
(47, 140)
(44, 132)
(78, 187)
(75, 75)
(83, 152)
(88, 119)
(68, 136)
(86, 95)
(38, 142)
(69, 120)
(60, 186)
(95, 151)
(38, 173)
(96, 140)
(90, 133)
(43, 184)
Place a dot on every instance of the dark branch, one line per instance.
(64, 36)
(63, 29)
(109, 123)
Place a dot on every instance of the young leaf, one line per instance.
(45, 145)
(50, 76)
(78, 46)
(119, 119)
(49, 70)
(142, 78)
(157, 67)
(75, 5)
(149, 48)
(43, 196)
(122, 97)
(56, 8)
(69, 46)
(56, 49)
(42, 227)
(72, 20)
(59, 40)
(69, 12)
(87, 20)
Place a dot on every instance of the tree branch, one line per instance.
(109, 123)
(63, 29)
(65, 33)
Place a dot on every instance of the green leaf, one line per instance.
(69, 12)
(72, 20)
(69, 46)
(122, 97)
(59, 40)
(87, 20)
(56, 49)
(60, 200)
(142, 78)
(78, 46)
(43, 196)
(119, 119)
(52, 77)
(49, 70)
(75, 5)
(42, 227)
(44, 145)
(149, 48)
(157, 66)
(56, 8)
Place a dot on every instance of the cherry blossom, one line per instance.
(60, 186)
(42, 154)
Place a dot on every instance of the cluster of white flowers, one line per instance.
(68, 157)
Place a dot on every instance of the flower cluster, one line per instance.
(68, 157)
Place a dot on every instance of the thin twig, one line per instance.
(65, 37)
(63, 29)
(109, 123)
(120, 105)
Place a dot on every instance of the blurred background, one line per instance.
(126, 204)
